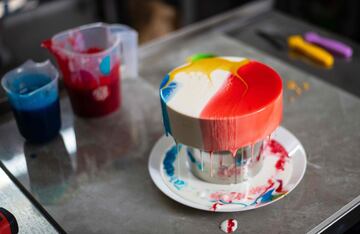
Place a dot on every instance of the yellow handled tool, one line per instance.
(314, 52)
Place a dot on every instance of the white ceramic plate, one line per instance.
(173, 177)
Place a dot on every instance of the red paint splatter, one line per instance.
(230, 225)
(215, 206)
(277, 148)
(279, 189)
(280, 151)
(280, 164)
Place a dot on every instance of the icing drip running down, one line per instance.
(229, 225)
(202, 160)
(211, 164)
(169, 167)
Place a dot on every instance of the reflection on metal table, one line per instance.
(93, 178)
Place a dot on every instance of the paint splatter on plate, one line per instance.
(170, 172)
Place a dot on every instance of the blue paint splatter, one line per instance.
(193, 160)
(169, 168)
(267, 197)
(105, 65)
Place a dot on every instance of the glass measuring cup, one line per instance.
(32, 90)
(90, 58)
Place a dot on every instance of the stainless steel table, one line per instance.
(93, 178)
(28, 216)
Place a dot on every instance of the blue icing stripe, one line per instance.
(168, 91)
(193, 160)
(164, 81)
(169, 168)
(105, 65)
(165, 115)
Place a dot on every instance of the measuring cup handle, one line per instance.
(128, 49)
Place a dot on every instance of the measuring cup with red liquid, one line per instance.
(90, 58)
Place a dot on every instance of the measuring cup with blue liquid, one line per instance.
(32, 90)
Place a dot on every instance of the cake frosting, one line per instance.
(221, 103)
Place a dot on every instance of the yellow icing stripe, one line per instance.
(208, 65)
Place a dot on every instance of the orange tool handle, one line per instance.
(311, 51)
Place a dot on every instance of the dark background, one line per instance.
(23, 29)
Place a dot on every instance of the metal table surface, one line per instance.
(93, 178)
(28, 217)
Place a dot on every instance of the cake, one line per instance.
(218, 104)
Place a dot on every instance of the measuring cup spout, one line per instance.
(48, 44)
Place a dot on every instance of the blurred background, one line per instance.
(25, 23)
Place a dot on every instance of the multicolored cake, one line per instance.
(221, 103)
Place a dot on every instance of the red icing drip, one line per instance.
(277, 148)
(211, 164)
(230, 225)
(260, 153)
(233, 152)
(231, 120)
